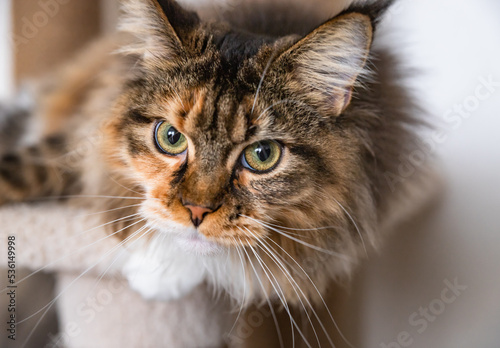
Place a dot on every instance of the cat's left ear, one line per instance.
(325, 65)
(162, 26)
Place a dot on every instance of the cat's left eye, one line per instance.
(169, 140)
(262, 156)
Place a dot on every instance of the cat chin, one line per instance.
(196, 243)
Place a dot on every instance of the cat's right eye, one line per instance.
(169, 140)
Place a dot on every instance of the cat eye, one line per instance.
(262, 156)
(169, 140)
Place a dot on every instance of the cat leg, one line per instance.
(12, 125)
(35, 171)
(14, 119)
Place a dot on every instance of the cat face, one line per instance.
(243, 140)
(206, 150)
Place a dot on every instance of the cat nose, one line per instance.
(198, 213)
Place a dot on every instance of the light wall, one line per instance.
(48, 33)
(6, 75)
(454, 44)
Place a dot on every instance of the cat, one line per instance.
(247, 152)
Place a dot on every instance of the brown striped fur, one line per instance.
(341, 125)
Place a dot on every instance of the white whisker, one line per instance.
(318, 292)
(279, 291)
(268, 65)
(51, 303)
(126, 188)
(300, 229)
(244, 287)
(56, 198)
(78, 250)
(355, 225)
(120, 254)
(109, 211)
(267, 298)
(329, 252)
(294, 285)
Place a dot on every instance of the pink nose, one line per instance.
(198, 213)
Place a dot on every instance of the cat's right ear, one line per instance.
(162, 28)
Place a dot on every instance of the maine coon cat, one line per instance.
(246, 152)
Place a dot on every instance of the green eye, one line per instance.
(263, 156)
(169, 140)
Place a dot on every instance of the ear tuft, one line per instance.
(328, 62)
(161, 26)
(375, 9)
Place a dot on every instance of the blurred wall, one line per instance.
(436, 282)
(5, 56)
(109, 15)
(47, 32)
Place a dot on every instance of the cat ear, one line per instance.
(326, 64)
(162, 27)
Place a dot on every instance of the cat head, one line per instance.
(244, 140)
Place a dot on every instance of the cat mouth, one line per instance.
(197, 243)
(187, 238)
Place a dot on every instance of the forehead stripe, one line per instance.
(136, 117)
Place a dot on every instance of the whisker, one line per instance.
(267, 298)
(355, 225)
(126, 188)
(298, 229)
(51, 303)
(329, 252)
(120, 254)
(115, 247)
(302, 104)
(122, 219)
(88, 196)
(110, 210)
(143, 261)
(272, 106)
(294, 285)
(349, 215)
(280, 293)
(180, 100)
(244, 287)
(283, 232)
(292, 281)
(318, 292)
(268, 65)
(73, 253)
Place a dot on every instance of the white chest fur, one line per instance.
(162, 271)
